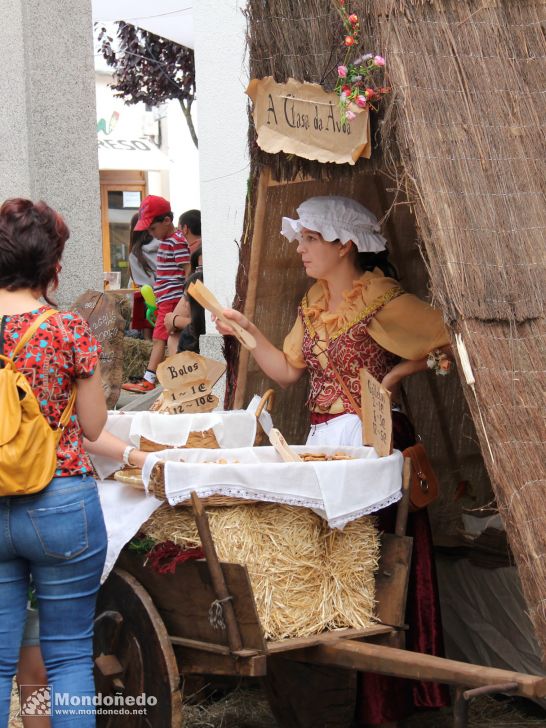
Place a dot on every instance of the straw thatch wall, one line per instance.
(463, 135)
(470, 130)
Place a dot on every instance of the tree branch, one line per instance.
(186, 110)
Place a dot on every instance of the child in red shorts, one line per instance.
(173, 260)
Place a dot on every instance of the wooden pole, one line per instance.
(403, 504)
(258, 234)
(216, 574)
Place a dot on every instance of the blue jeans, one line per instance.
(58, 537)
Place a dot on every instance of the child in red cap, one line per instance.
(173, 260)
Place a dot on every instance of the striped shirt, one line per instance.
(172, 255)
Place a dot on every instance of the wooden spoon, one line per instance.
(209, 301)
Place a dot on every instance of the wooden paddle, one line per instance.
(280, 445)
(209, 301)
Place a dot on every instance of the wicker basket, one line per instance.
(207, 439)
(157, 486)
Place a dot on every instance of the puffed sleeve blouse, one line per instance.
(405, 326)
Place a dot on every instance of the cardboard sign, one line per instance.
(376, 414)
(187, 380)
(303, 119)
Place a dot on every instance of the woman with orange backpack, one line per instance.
(51, 525)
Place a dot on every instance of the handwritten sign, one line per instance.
(188, 379)
(303, 119)
(376, 414)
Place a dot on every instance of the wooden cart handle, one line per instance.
(216, 574)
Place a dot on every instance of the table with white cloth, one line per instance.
(338, 490)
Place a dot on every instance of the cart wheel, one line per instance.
(134, 656)
(310, 696)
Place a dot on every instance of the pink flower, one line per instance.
(361, 101)
(353, 19)
(350, 115)
(349, 40)
(342, 71)
(379, 60)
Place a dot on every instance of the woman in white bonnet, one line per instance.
(356, 315)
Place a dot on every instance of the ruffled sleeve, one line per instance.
(292, 347)
(406, 326)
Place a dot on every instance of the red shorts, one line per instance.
(160, 332)
(139, 320)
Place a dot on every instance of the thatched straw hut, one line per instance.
(459, 163)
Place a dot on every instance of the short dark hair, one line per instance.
(194, 258)
(32, 239)
(160, 218)
(369, 261)
(191, 218)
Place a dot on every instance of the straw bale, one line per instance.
(305, 578)
(136, 353)
(352, 560)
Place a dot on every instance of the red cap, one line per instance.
(151, 206)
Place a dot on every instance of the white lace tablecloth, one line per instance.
(339, 490)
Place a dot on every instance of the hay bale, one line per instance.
(136, 353)
(305, 577)
(352, 558)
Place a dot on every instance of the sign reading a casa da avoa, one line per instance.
(304, 119)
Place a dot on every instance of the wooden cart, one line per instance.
(153, 630)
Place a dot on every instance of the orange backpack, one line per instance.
(28, 444)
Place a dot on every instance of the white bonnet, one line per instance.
(337, 218)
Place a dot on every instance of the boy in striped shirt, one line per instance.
(173, 262)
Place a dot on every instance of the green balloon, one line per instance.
(148, 295)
